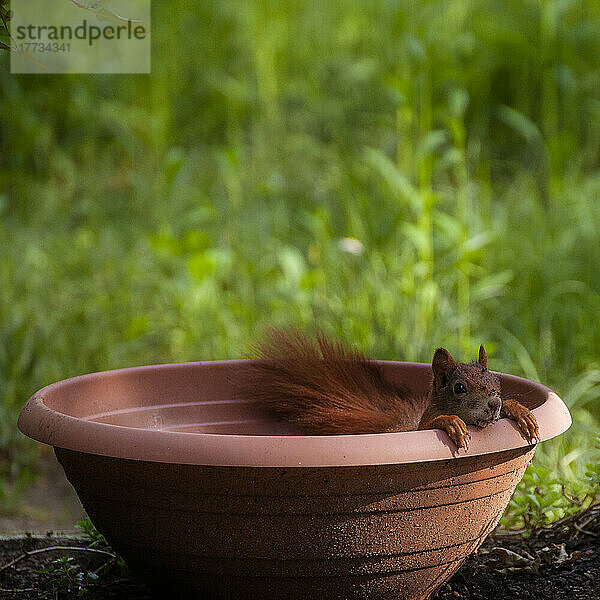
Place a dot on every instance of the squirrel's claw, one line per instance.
(525, 419)
(529, 427)
(455, 428)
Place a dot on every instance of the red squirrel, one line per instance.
(325, 388)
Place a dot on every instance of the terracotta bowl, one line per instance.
(203, 495)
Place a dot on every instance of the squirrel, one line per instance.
(325, 388)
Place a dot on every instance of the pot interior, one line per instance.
(204, 397)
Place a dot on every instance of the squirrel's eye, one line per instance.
(459, 388)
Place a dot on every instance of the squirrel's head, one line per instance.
(469, 391)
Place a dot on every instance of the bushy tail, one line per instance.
(326, 388)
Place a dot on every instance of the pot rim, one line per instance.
(44, 424)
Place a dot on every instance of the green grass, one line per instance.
(170, 217)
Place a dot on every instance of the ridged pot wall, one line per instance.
(347, 532)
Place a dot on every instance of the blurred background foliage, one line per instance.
(402, 175)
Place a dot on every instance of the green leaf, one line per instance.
(292, 264)
(397, 181)
(479, 241)
(520, 123)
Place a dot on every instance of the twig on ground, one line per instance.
(51, 548)
(105, 565)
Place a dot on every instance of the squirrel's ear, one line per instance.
(482, 357)
(443, 364)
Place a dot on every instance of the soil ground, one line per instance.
(557, 564)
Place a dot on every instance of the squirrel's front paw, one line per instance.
(455, 427)
(525, 419)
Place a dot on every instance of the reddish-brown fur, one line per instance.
(326, 388)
